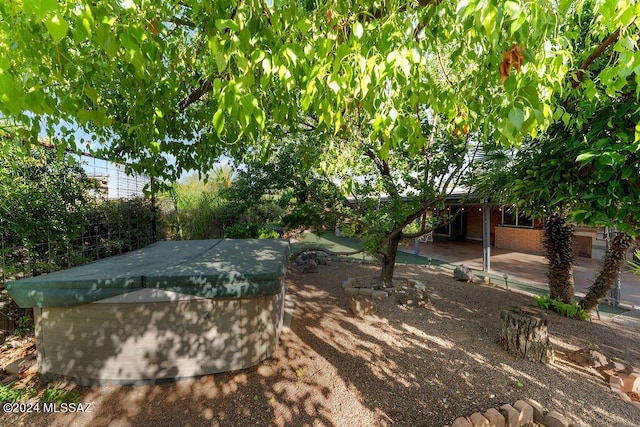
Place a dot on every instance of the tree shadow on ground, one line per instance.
(413, 367)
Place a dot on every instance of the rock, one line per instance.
(463, 273)
(554, 419)
(538, 410)
(526, 412)
(511, 415)
(461, 422)
(420, 286)
(412, 297)
(477, 420)
(17, 365)
(379, 294)
(310, 267)
(9, 379)
(587, 357)
(348, 283)
(365, 291)
(495, 418)
(362, 306)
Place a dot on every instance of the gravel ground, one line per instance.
(404, 366)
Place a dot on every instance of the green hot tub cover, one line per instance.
(226, 268)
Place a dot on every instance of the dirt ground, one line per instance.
(422, 366)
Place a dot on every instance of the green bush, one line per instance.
(569, 310)
(250, 231)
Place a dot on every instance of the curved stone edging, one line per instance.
(350, 286)
(522, 412)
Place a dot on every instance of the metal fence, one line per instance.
(58, 213)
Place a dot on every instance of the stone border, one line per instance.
(621, 384)
(350, 289)
(522, 412)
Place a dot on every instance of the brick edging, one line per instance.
(522, 412)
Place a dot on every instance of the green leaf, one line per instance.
(221, 61)
(57, 27)
(513, 8)
(218, 122)
(489, 14)
(223, 24)
(605, 159)
(584, 157)
(40, 7)
(358, 30)
(516, 117)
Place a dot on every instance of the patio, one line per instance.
(526, 268)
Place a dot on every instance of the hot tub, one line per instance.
(170, 310)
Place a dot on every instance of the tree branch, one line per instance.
(594, 55)
(206, 86)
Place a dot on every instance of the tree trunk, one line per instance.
(388, 259)
(524, 334)
(607, 276)
(558, 245)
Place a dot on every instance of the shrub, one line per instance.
(569, 310)
(250, 231)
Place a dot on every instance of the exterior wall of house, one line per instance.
(518, 239)
(474, 222)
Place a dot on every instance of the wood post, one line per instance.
(524, 334)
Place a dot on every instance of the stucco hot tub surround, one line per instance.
(167, 311)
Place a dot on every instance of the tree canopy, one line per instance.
(190, 79)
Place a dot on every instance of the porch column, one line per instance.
(486, 237)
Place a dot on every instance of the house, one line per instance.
(509, 229)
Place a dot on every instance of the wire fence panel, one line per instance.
(58, 213)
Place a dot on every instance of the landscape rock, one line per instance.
(412, 297)
(463, 273)
(15, 366)
(420, 286)
(310, 267)
(555, 419)
(511, 415)
(494, 417)
(362, 306)
(538, 410)
(461, 422)
(477, 420)
(587, 357)
(379, 294)
(526, 412)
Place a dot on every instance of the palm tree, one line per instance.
(561, 256)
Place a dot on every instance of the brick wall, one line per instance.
(528, 240)
(474, 223)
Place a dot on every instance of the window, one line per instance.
(511, 217)
(443, 217)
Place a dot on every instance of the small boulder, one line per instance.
(362, 306)
(587, 357)
(463, 273)
(412, 297)
(310, 267)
